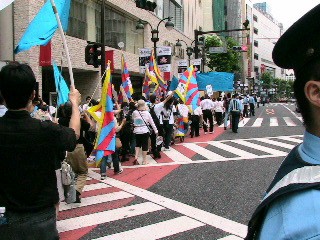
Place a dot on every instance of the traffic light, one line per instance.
(240, 48)
(92, 53)
(147, 5)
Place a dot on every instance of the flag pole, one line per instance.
(64, 42)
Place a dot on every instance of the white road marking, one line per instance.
(95, 186)
(300, 118)
(95, 200)
(230, 237)
(290, 139)
(202, 151)
(257, 122)
(106, 216)
(243, 122)
(211, 219)
(260, 148)
(176, 156)
(276, 143)
(289, 122)
(157, 230)
(273, 122)
(233, 150)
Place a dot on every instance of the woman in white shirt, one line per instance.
(142, 121)
(218, 109)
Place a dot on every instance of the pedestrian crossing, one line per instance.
(92, 219)
(269, 122)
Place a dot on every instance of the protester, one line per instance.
(196, 119)
(207, 107)
(30, 151)
(258, 101)
(143, 125)
(290, 208)
(235, 109)
(252, 103)
(155, 149)
(218, 111)
(226, 103)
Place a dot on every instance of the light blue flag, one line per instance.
(61, 86)
(44, 25)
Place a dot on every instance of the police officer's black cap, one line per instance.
(300, 44)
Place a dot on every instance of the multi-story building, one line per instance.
(266, 32)
(120, 21)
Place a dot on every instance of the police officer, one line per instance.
(290, 208)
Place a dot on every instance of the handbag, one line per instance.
(148, 126)
(118, 143)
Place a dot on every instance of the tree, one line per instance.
(223, 62)
(267, 79)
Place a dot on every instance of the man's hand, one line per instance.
(74, 96)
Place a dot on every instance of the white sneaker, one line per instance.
(205, 133)
(166, 149)
(211, 132)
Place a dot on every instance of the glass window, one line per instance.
(255, 18)
(256, 56)
(171, 9)
(256, 44)
(78, 19)
(255, 30)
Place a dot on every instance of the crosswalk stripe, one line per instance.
(289, 122)
(230, 237)
(233, 150)
(149, 159)
(107, 216)
(276, 143)
(274, 122)
(204, 152)
(177, 156)
(260, 148)
(95, 200)
(157, 230)
(257, 122)
(243, 122)
(95, 186)
(290, 139)
(208, 218)
(300, 118)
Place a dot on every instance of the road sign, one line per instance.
(217, 50)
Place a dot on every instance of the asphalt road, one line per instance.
(206, 188)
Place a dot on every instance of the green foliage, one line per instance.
(223, 62)
(284, 88)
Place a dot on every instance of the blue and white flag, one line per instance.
(44, 25)
(61, 86)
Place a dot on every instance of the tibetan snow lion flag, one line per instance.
(192, 94)
(126, 82)
(105, 143)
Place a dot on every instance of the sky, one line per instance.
(289, 11)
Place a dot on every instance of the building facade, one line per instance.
(120, 21)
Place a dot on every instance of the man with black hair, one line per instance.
(290, 208)
(29, 155)
(235, 109)
(3, 108)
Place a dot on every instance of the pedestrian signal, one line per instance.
(92, 53)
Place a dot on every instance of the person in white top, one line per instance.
(142, 121)
(196, 118)
(218, 109)
(207, 107)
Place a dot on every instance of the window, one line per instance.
(256, 69)
(255, 30)
(255, 43)
(256, 56)
(172, 9)
(255, 18)
(78, 19)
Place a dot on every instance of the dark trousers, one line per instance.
(167, 132)
(125, 140)
(37, 225)
(219, 117)
(245, 110)
(235, 120)
(258, 104)
(207, 115)
(154, 148)
(252, 109)
(195, 125)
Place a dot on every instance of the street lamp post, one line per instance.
(155, 31)
(189, 49)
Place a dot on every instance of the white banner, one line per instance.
(182, 67)
(209, 90)
(144, 58)
(196, 64)
(164, 58)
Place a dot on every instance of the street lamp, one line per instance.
(189, 49)
(154, 31)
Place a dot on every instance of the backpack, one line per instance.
(68, 182)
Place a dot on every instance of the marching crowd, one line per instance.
(69, 132)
